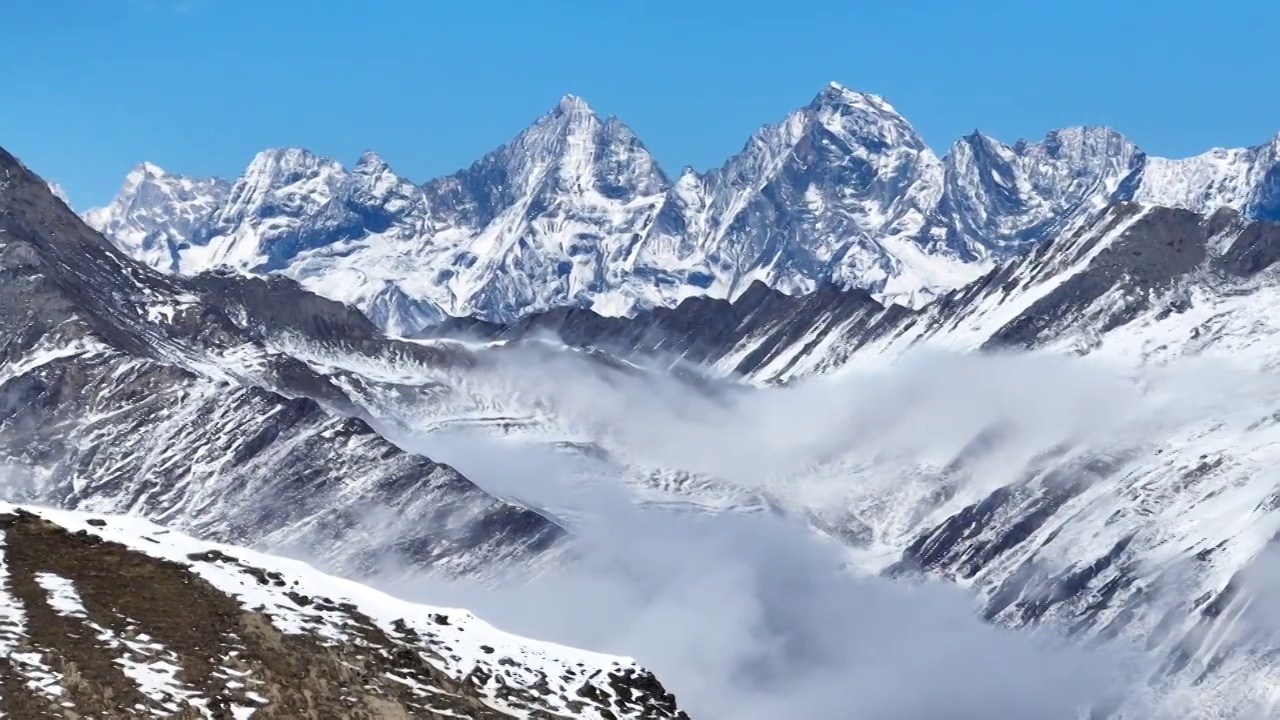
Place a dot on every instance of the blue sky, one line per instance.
(92, 87)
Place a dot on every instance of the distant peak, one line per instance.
(1087, 140)
(835, 94)
(689, 178)
(285, 155)
(370, 160)
(1082, 131)
(574, 105)
(59, 193)
(146, 170)
(286, 159)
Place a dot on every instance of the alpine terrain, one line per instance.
(223, 632)
(128, 391)
(575, 212)
(1041, 372)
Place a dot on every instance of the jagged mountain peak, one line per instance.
(861, 122)
(571, 114)
(1001, 197)
(370, 161)
(570, 148)
(285, 164)
(1084, 141)
(575, 208)
(571, 104)
(145, 170)
(155, 211)
(865, 123)
(1073, 142)
(835, 94)
(1080, 133)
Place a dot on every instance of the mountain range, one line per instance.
(575, 212)
(187, 371)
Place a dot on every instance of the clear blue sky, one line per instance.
(92, 87)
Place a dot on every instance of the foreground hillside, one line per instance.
(113, 617)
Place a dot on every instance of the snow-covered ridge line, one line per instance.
(418, 657)
(164, 396)
(575, 212)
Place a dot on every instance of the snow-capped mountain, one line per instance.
(155, 213)
(1243, 179)
(177, 627)
(575, 212)
(1001, 198)
(841, 190)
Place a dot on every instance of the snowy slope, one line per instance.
(1004, 197)
(574, 212)
(180, 626)
(130, 391)
(1242, 179)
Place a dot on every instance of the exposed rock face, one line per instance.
(116, 618)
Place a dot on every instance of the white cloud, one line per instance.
(755, 616)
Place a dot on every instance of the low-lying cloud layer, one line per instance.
(753, 616)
